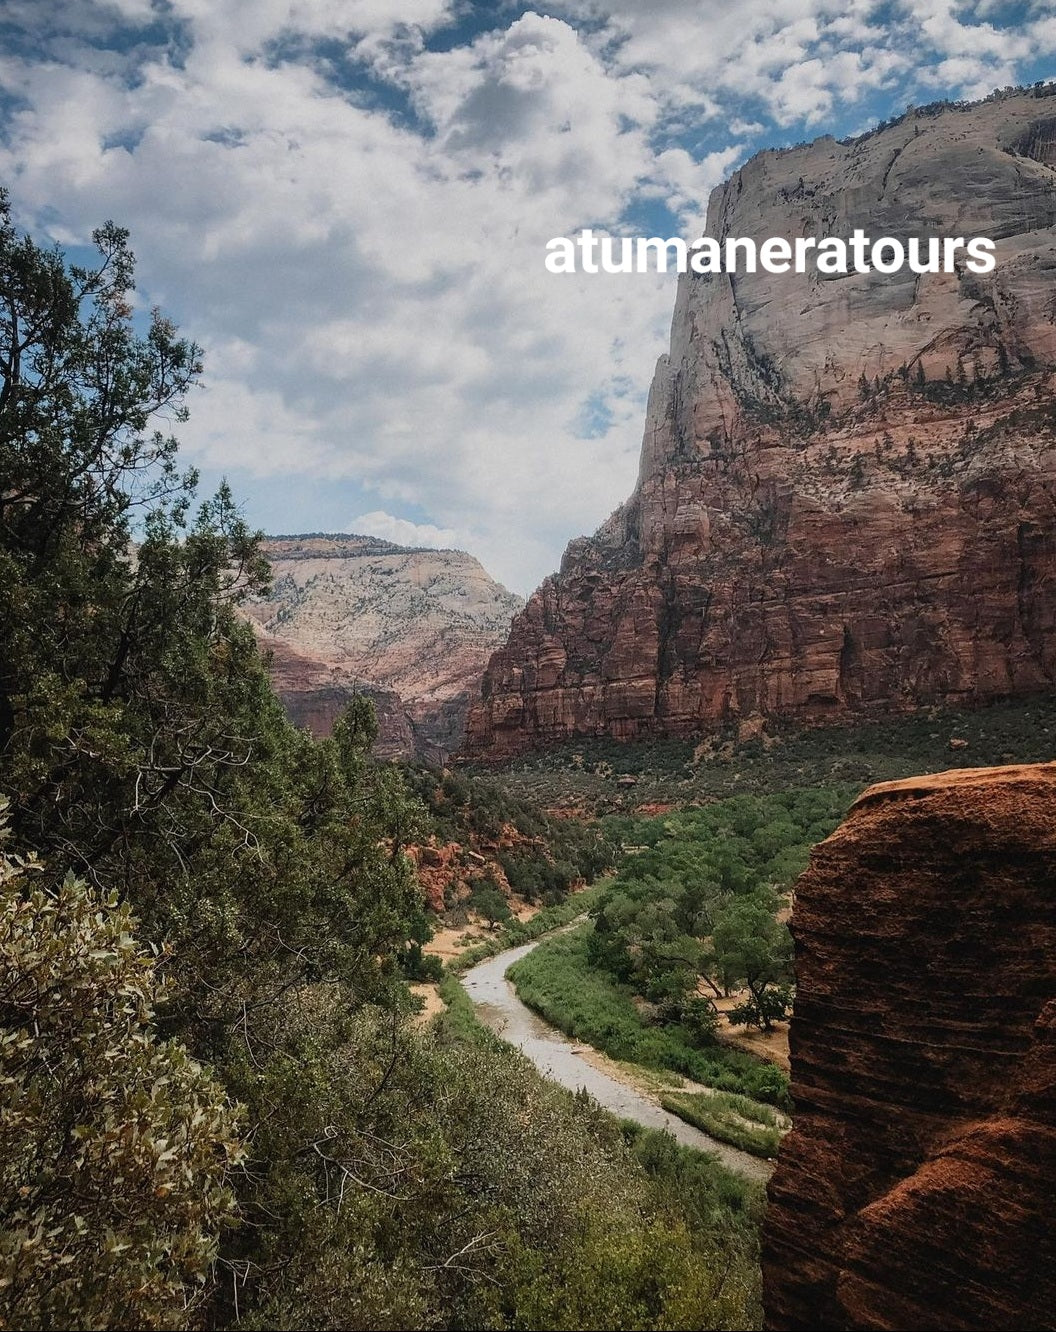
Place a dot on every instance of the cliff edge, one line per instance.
(916, 1187)
(412, 628)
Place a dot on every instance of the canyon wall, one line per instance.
(410, 628)
(315, 691)
(916, 1187)
(846, 494)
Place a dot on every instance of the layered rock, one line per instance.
(846, 494)
(915, 1190)
(411, 628)
(315, 693)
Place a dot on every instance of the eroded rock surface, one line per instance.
(916, 1189)
(410, 628)
(846, 495)
(315, 692)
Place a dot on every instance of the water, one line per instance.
(498, 1007)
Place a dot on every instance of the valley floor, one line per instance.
(634, 1096)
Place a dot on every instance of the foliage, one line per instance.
(696, 1015)
(749, 944)
(445, 1183)
(697, 906)
(734, 1119)
(773, 1003)
(712, 1196)
(515, 932)
(392, 1178)
(541, 856)
(559, 980)
(417, 965)
(115, 1147)
(586, 774)
(139, 737)
(486, 897)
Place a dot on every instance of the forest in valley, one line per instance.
(225, 1101)
(217, 1105)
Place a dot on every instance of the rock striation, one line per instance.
(916, 1187)
(411, 628)
(316, 692)
(846, 495)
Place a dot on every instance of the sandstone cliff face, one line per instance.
(411, 628)
(315, 693)
(846, 493)
(916, 1188)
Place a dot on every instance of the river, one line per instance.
(497, 1006)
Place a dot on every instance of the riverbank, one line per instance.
(576, 1067)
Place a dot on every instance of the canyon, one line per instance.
(847, 488)
(411, 629)
(915, 1189)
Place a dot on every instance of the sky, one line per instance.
(347, 202)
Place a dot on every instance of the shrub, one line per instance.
(729, 1118)
(420, 966)
(699, 1018)
(762, 1010)
(486, 897)
(114, 1146)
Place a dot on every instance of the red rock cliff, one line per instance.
(916, 1188)
(846, 493)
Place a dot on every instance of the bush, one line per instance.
(762, 1010)
(114, 1146)
(445, 1183)
(699, 1018)
(421, 966)
(729, 1118)
(486, 897)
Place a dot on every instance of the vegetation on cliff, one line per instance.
(600, 777)
(509, 837)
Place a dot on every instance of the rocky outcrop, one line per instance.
(916, 1187)
(315, 693)
(847, 491)
(411, 628)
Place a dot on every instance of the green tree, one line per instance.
(487, 898)
(115, 1147)
(139, 736)
(773, 1004)
(140, 740)
(751, 946)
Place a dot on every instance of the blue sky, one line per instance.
(347, 202)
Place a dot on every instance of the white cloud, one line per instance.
(402, 532)
(364, 263)
(802, 58)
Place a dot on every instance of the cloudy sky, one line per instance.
(347, 202)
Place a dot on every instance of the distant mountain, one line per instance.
(411, 628)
